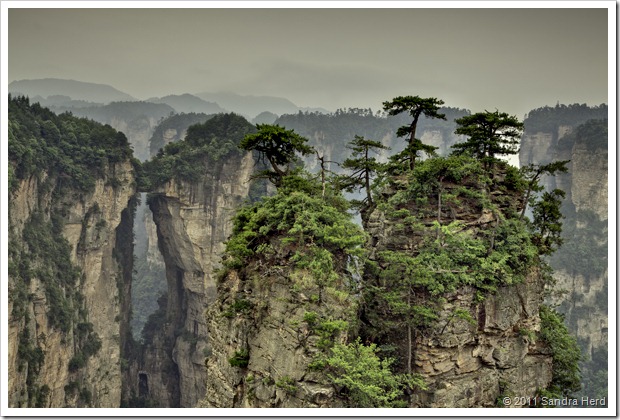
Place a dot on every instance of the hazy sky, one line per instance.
(510, 59)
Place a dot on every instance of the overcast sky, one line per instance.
(510, 59)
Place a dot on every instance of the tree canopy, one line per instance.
(279, 146)
(490, 134)
(204, 145)
(415, 107)
(362, 167)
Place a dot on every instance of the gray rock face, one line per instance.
(470, 365)
(193, 221)
(469, 361)
(589, 186)
(586, 187)
(278, 343)
(92, 237)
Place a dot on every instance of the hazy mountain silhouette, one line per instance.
(250, 105)
(81, 91)
(188, 103)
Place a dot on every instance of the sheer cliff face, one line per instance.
(586, 183)
(90, 226)
(261, 343)
(470, 365)
(580, 264)
(193, 221)
(482, 344)
(138, 131)
(589, 186)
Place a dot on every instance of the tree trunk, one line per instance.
(367, 182)
(409, 333)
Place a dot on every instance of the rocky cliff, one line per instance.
(71, 183)
(193, 220)
(262, 342)
(66, 374)
(580, 265)
(284, 299)
(451, 293)
(473, 332)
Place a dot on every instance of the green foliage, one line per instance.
(78, 361)
(205, 144)
(438, 244)
(429, 178)
(75, 150)
(531, 335)
(547, 222)
(287, 384)
(88, 344)
(363, 169)
(279, 146)
(533, 173)
(239, 306)
(240, 359)
(447, 258)
(39, 398)
(317, 232)
(593, 135)
(177, 122)
(46, 245)
(86, 396)
(415, 107)
(71, 388)
(566, 354)
(490, 134)
(31, 357)
(366, 380)
(328, 329)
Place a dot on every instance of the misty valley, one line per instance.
(224, 251)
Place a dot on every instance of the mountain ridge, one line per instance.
(77, 90)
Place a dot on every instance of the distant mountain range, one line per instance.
(188, 103)
(72, 94)
(80, 91)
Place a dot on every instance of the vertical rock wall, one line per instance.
(471, 361)
(90, 227)
(193, 221)
(586, 185)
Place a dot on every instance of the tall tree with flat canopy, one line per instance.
(416, 107)
(279, 146)
(490, 134)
